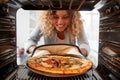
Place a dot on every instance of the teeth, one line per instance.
(60, 26)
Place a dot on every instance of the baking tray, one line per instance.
(56, 47)
(54, 74)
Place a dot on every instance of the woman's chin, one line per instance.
(60, 30)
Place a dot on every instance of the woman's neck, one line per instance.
(61, 35)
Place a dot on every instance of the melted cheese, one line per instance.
(45, 64)
(74, 67)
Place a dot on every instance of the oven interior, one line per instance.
(109, 42)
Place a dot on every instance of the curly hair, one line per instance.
(75, 28)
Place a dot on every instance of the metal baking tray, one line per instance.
(56, 75)
(43, 47)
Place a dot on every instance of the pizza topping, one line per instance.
(46, 65)
(53, 62)
(59, 64)
(74, 67)
(48, 62)
(70, 62)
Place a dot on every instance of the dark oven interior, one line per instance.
(109, 38)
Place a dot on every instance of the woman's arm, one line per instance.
(32, 40)
(83, 45)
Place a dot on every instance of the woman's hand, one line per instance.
(84, 51)
(30, 50)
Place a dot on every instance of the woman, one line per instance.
(59, 27)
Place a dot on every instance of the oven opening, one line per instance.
(101, 21)
(27, 20)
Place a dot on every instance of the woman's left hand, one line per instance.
(84, 51)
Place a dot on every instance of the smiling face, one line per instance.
(60, 20)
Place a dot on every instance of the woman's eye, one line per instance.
(55, 17)
(66, 17)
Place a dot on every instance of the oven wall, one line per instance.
(7, 41)
(109, 49)
(8, 9)
(109, 40)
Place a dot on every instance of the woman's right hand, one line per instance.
(38, 52)
(30, 50)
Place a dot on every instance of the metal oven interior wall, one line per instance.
(8, 9)
(7, 40)
(109, 30)
(109, 51)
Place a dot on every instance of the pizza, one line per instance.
(58, 64)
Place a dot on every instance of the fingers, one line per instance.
(84, 51)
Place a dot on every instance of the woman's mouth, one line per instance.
(60, 28)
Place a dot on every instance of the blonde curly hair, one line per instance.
(75, 28)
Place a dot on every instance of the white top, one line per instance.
(60, 41)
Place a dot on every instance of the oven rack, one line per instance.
(23, 73)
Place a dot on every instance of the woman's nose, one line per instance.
(60, 21)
